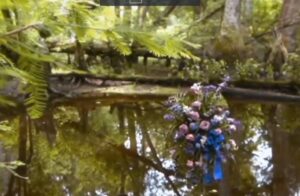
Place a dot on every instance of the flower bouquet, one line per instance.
(203, 132)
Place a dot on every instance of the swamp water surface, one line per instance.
(95, 147)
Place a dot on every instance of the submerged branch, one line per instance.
(142, 159)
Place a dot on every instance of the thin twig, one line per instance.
(16, 174)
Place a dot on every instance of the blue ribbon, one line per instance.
(213, 154)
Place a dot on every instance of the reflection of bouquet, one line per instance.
(203, 135)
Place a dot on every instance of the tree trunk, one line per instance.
(247, 13)
(289, 23)
(231, 17)
(229, 46)
(127, 15)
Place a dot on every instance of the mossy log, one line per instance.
(135, 88)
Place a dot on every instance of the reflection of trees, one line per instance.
(112, 151)
(147, 137)
(82, 161)
(279, 142)
(17, 185)
(284, 125)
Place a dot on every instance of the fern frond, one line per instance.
(160, 46)
(118, 42)
(25, 50)
(176, 48)
(5, 61)
(37, 88)
(4, 101)
(154, 46)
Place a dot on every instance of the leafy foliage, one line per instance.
(37, 88)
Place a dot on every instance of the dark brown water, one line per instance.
(94, 147)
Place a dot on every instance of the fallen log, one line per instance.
(135, 88)
(134, 93)
(115, 80)
(259, 96)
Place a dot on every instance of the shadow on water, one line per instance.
(93, 147)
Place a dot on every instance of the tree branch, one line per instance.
(15, 31)
(203, 19)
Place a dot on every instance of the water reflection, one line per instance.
(123, 148)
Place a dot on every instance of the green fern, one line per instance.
(118, 42)
(160, 46)
(154, 46)
(25, 50)
(4, 101)
(37, 88)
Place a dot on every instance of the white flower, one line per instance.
(233, 144)
(232, 128)
(186, 109)
(196, 88)
(230, 120)
(203, 140)
(218, 118)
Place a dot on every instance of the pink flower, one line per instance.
(196, 105)
(205, 125)
(190, 137)
(190, 163)
(194, 115)
(184, 128)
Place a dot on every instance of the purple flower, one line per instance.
(177, 108)
(208, 89)
(215, 122)
(198, 145)
(179, 136)
(227, 78)
(169, 117)
(230, 120)
(189, 149)
(224, 84)
(221, 87)
(194, 127)
(238, 124)
(226, 113)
